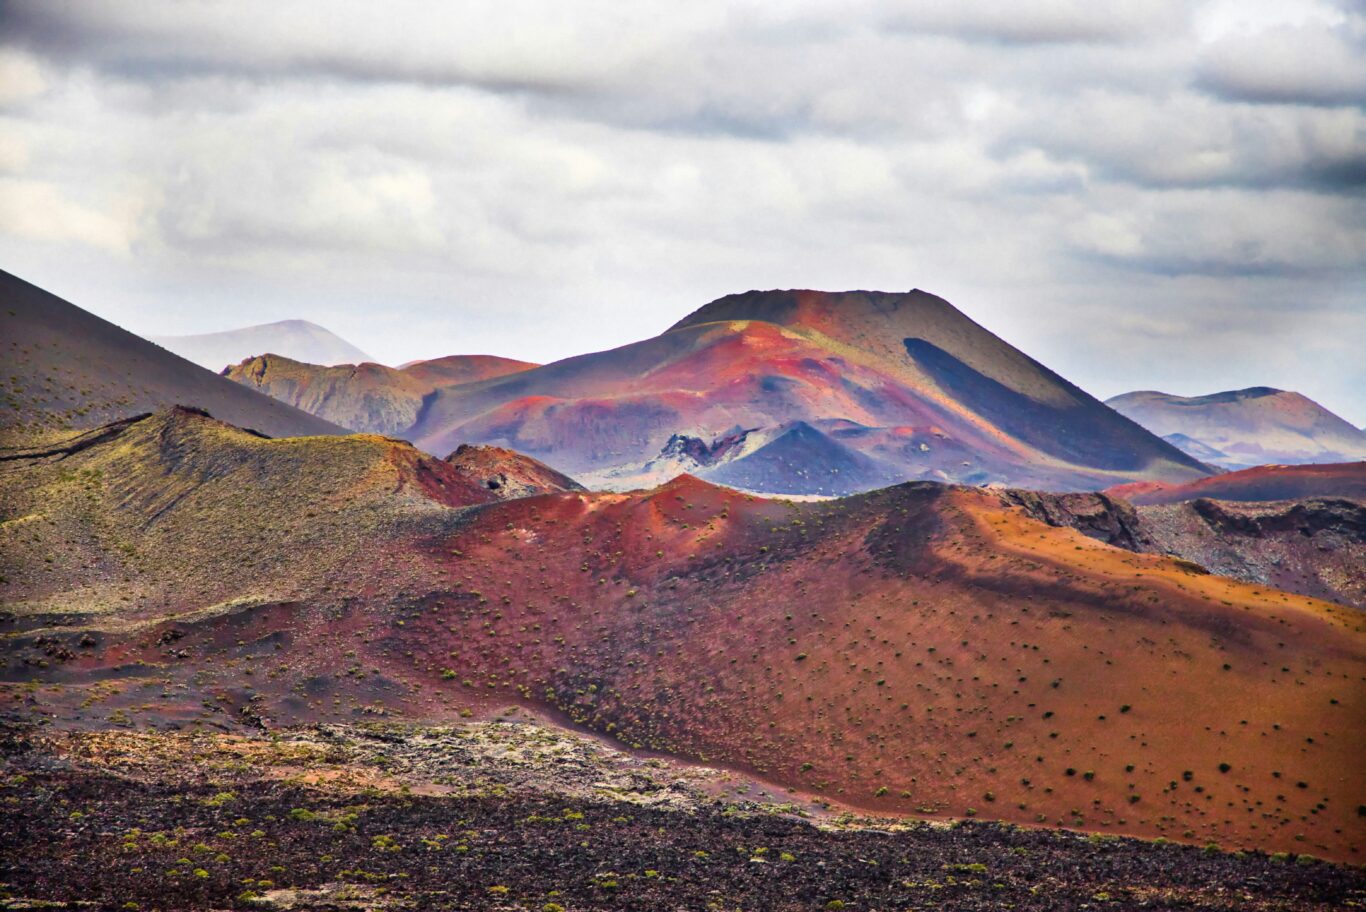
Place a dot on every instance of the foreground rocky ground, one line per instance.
(517, 815)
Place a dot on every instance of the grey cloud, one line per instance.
(1223, 232)
(1312, 64)
(599, 173)
(1184, 140)
(1044, 22)
(536, 47)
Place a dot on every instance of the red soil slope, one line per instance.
(917, 650)
(1269, 482)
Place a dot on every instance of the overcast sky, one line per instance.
(1161, 195)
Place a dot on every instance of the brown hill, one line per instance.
(1246, 427)
(1270, 482)
(370, 398)
(908, 380)
(66, 368)
(921, 649)
(192, 512)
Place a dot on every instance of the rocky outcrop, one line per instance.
(681, 447)
(1314, 546)
(507, 473)
(1108, 519)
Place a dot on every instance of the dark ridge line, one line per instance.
(104, 433)
(80, 442)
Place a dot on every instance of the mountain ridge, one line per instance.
(764, 359)
(1247, 427)
(299, 339)
(365, 397)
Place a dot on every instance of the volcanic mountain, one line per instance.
(905, 380)
(66, 368)
(367, 397)
(298, 339)
(922, 649)
(1246, 427)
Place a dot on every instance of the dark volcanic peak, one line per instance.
(799, 459)
(922, 337)
(70, 369)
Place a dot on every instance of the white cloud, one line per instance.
(1314, 63)
(21, 77)
(14, 156)
(1107, 235)
(38, 211)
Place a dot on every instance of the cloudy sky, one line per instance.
(1156, 194)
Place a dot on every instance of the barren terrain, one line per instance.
(921, 650)
(516, 816)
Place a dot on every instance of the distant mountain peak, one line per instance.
(1239, 428)
(297, 339)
